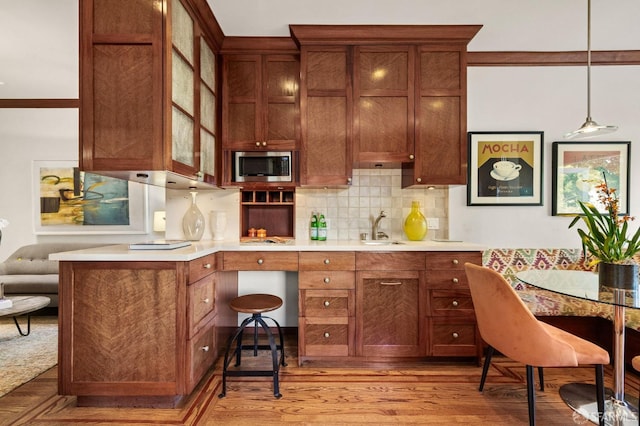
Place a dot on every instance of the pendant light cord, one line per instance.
(588, 60)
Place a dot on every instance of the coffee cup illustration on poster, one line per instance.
(505, 168)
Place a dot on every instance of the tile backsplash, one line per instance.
(351, 211)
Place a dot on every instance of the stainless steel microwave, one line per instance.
(262, 166)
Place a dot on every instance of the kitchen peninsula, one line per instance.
(142, 327)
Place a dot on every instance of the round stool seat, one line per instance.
(255, 303)
(635, 362)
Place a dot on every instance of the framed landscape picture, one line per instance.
(69, 201)
(578, 167)
(505, 168)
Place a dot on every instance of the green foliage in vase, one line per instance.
(607, 237)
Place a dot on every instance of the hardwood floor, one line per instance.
(428, 393)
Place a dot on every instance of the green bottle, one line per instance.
(313, 226)
(322, 228)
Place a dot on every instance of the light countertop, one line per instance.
(121, 252)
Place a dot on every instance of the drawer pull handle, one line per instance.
(327, 280)
(205, 300)
(455, 280)
(260, 261)
(455, 261)
(390, 283)
(326, 334)
(207, 266)
(205, 348)
(327, 261)
(326, 303)
(455, 303)
(455, 335)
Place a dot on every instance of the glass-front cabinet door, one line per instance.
(207, 109)
(193, 98)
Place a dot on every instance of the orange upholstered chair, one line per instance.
(508, 326)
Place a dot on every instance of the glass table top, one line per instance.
(581, 284)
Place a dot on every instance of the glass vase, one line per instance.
(193, 221)
(415, 224)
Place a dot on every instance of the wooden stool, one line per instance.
(256, 305)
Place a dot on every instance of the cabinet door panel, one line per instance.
(380, 70)
(282, 122)
(388, 312)
(326, 70)
(384, 127)
(326, 158)
(440, 156)
(384, 104)
(122, 107)
(440, 70)
(242, 122)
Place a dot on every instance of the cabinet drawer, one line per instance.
(452, 280)
(201, 354)
(326, 280)
(453, 338)
(202, 267)
(327, 336)
(260, 261)
(446, 303)
(452, 260)
(327, 303)
(390, 261)
(327, 261)
(200, 302)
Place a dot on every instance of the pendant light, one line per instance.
(589, 128)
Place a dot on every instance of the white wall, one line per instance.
(40, 134)
(552, 100)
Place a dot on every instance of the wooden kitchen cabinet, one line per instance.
(260, 102)
(390, 304)
(326, 305)
(149, 92)
(441, 118)
(404, 98)
(260, 99)
(383, 104)
(325, 116)
(136, 333)
(451, 319)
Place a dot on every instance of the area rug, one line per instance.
(24, 357)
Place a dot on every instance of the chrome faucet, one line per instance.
(378, 235)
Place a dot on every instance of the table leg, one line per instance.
(15, 320)
(620, 410)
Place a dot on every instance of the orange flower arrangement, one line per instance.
(606, 238)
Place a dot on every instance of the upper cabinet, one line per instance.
(405, 96)
(326, 116)
(260, 97)
(149, 91)
(384, 104)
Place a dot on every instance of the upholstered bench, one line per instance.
(29, 272)
(509, 262)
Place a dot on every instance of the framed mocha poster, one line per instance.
(505, 168)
